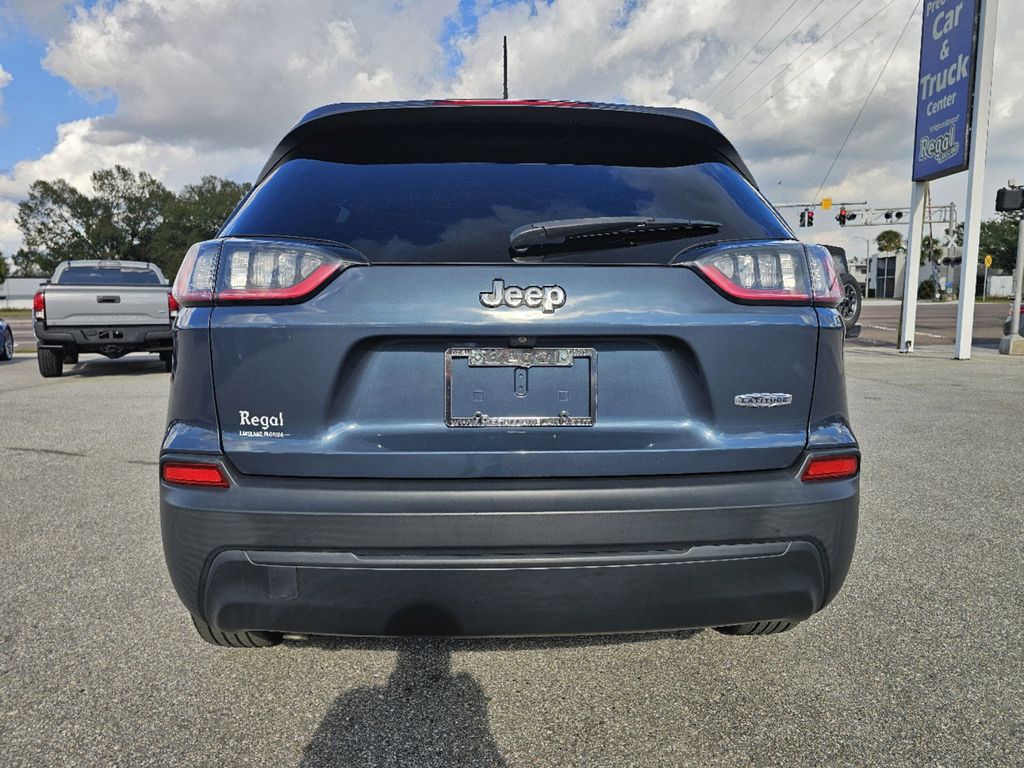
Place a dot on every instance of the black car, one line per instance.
(849, 308)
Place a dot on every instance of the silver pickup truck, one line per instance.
(109, 307)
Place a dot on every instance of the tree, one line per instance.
(931, 249)
(127, 209)
(59, 221)
(129, 216)
(5, 271)
(889, 241)
(998, 239)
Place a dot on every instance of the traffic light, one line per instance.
(803, 218)
(851, 216)
(899, 215)
(1010, 199)
(888, 216)
(810, 218)
(841, 218)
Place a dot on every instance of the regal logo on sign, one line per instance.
(945, 88)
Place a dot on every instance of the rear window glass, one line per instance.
(108, 276)
(464, 212)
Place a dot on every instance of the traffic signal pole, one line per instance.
(911, 275)
(976, 180)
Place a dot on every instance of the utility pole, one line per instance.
(504, 66)
(1008, 199)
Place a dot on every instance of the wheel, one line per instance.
(71, 356)
(51, 362)
(7, 350)
(849, 307)
(168, 360)
(235, 639)
(758, 628)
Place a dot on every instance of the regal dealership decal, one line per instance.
(945, 88)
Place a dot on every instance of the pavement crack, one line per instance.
(49, 451)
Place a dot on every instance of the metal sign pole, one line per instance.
(1013, 344)
(911, 275)
(976, 179)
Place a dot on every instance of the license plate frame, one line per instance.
(520, 357)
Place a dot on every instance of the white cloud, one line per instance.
(5, 80)
(208, 87)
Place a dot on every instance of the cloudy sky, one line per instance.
(183, 88)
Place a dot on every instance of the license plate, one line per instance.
(520, 387)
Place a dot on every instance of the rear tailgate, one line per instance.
(375, 376)
(85, 305)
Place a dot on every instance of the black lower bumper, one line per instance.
(112, 341)
(509, 557)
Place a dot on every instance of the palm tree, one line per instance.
(890, 241)
(931, 249)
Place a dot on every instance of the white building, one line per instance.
(17, 292)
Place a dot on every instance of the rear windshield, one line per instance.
(108, 276)
(464, 212)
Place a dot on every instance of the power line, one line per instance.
(878, 79)
(751, 49)
(796, 58)
(803, 71)
(814, 7)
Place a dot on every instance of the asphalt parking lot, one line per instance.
(919, 661)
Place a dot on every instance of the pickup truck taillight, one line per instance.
(241, 271)
(39, 305)
(172, 307)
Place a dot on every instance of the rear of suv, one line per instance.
(501, 369)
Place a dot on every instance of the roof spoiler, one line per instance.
(687, 134)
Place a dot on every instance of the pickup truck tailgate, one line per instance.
(80, 305)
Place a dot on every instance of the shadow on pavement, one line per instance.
(425, 715)
(124, 366)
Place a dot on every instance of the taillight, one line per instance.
(777, 273)
(39, 305)
(831, 468)
(257, 271)
(193, 474)
(759, 274)
(826, 287)
(195, 281)
(172, 306)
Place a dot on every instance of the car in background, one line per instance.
(6, 340)
(506, 368)
(849, 308)
(108, 307)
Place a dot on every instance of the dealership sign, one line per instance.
(945, 88)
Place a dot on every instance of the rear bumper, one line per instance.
(128, 338)
(508, 557)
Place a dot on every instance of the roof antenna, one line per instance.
(504, 57)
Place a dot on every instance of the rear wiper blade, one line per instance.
(565, 231)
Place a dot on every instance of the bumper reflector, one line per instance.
(180, 473)
(831, 468)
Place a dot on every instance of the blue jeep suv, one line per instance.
(506, 368)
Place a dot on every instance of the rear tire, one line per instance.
(168, 360)
(51, 362)
(849, 308)
(758, 628)
(235, 639)
(7, 348)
